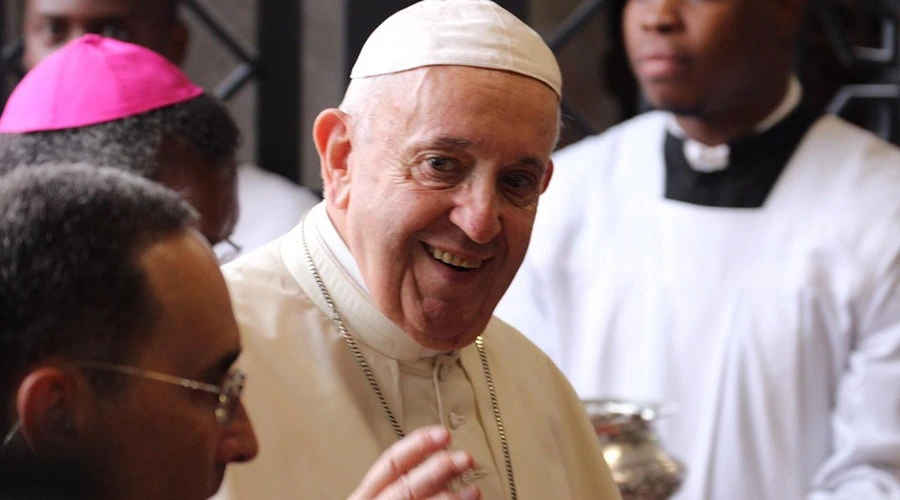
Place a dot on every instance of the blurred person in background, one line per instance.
(269, 204)
(117, 104)
(734, 253)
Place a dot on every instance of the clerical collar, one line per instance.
(754, 163)
(338, 247)
(705, 158)
(333, 241)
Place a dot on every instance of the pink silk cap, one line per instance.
(94, 80)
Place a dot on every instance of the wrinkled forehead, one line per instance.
(452, 84)
(476, 105)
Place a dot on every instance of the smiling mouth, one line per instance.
(454, 261)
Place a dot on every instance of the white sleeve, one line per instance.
(865, 423)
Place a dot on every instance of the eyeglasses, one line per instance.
(229, 392)
(226, 250)
(11, 434)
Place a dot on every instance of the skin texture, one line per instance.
(157, 430)
(446, 157)
(50, 24)
(120, 445)
(211, 190)
(720, 65)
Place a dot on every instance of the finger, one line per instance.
(400, 458)
(430, 478)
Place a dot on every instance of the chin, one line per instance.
(673, 103)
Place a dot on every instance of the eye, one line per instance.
(518, 180)
(441, 163)
(521, 188)
(54, 29)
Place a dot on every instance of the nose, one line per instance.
(477, 212)
(661, 16)
(238, 441)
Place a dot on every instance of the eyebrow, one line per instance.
(458, 143)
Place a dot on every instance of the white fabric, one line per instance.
(775, 331)
(476, 33)
(320, 426)
(270, 206)
(333, 241)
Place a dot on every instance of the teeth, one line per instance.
(454, 260)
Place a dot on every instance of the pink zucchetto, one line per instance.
(94, 80)
(477, 33)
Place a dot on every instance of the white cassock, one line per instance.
(319, 424)
(775, 331)
(270, 206)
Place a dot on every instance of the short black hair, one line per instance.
(131, 143)
(71, 284)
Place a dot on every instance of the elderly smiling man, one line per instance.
(116, 350)
(374, 316)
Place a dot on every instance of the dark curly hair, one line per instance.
(131, 143)
(70, 285)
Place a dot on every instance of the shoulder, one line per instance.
(512, 347)
(258, 265)
(597, 161)
(860, 168)
(855, 176)
(601, 145)
(264, 293)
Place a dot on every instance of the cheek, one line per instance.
(630, 27)
(517, 230)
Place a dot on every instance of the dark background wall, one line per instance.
(848, 42)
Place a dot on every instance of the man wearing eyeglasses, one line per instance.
(117, 345)
(116, 371)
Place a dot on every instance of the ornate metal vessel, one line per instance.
(641, 468)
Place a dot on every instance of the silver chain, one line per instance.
(479, 342)
(370, 376)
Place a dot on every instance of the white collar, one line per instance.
(338, 247)
(707, 159)
(333, 241)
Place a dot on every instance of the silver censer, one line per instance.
(641, 468)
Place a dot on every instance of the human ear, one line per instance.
(47, 406)
(547, 175)
(331, 135)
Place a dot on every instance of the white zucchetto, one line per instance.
(476, 33)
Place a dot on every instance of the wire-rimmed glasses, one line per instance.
(229, 392)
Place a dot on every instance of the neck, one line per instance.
(739, 121)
